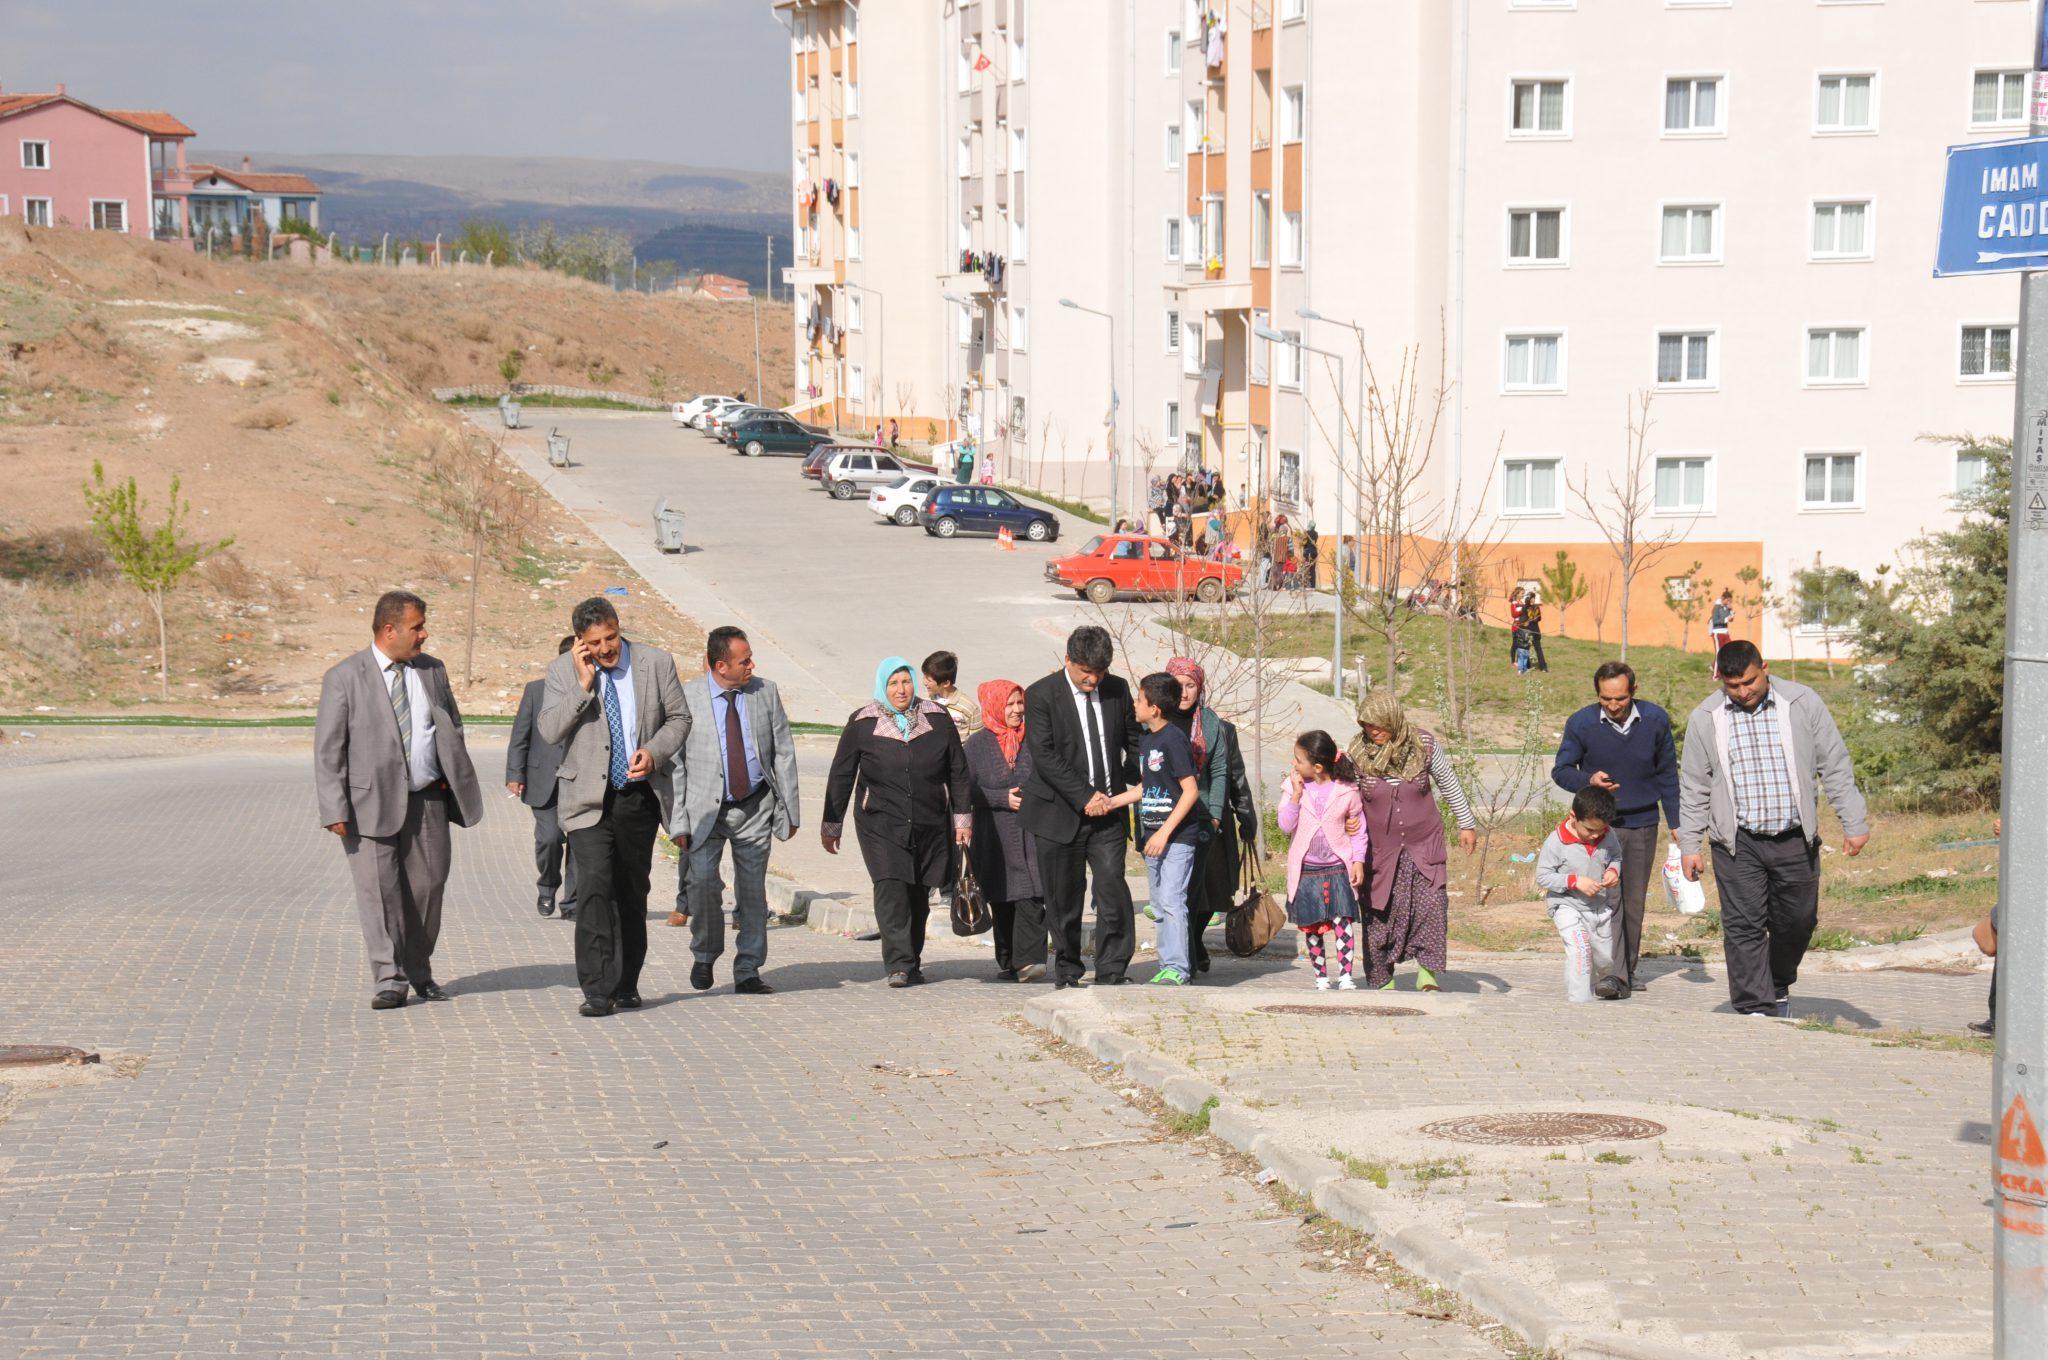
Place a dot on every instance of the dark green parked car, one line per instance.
(777, 434)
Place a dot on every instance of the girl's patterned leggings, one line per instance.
(1316, 955)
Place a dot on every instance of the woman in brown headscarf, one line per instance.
(1401, 773)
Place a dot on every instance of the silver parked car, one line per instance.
(855, 472)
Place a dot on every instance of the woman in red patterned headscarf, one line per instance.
(1226, 807)
(997, 764)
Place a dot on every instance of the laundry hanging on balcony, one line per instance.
(1212, 37)
(832, 192)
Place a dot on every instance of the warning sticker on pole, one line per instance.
(2033, 471)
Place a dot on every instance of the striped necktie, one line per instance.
(401, 707)
(621, 754)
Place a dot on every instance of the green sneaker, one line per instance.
(1169, 977)
(1150, 914)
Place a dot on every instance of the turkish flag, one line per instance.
(982, 63)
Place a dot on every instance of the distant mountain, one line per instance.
(700, 219)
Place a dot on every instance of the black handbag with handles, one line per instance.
(971, 914)
(1258, 915)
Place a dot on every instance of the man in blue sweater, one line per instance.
(1623, 744)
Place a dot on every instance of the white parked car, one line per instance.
(900, 500)
(693, 411)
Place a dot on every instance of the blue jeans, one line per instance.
(1168, 876)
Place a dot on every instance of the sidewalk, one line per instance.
(1809, 1193)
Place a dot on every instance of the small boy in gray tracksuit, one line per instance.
(1579, 868)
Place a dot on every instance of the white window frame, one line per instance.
(42, 142)
(1175, 45)
(966, 71)
(92, 213)
(1707, 488)
(1193, 341)
(1020, 149)
(1191, 243)
(1710, 383)
(1510, 388)
(1176, 149)
(853, 99)
(2011, 352)
(1717, 252)
(1821, 129)
(852, 241)
(853, 169)
(1719, 127)
(1515, 81)
(1194, 126)
(1862, 328)
(1173, 338)
(1293, 113)
(1211, 248)
(1020, 239)
(1020, 56)
(1556, 461)
(1543, 4)
(1283, 492)
(1293, 240)
(1262, 229)
(856, 384)
(28, 215)
(1869, 251)
(1170, 421)
(856, 312)
(1288, 360)
(1259, 358)
(1509, 260)
(1995, 124)
(1862, 457)
(1956, 478)
(1175, 227)
(1293, 11)
(1020, 328)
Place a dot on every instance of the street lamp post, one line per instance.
(953, 416)
(1357, 432)
(881, 344)
(1271, 336)
(1113, 403)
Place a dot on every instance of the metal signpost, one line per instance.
(1995, 219)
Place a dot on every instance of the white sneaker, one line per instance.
(1345, 984)
(1322, 984)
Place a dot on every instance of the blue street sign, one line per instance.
(1994, 212)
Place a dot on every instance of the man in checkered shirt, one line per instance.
(1756, 753)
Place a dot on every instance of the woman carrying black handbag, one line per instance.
(1005, 861)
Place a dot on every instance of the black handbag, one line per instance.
(971, 914)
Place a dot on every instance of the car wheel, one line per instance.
(844, 490)
(1081, 592)
(905, 516)
(947, 527)
(1209, 591)
(1101, 592)
(1038, 531)
(753, 448)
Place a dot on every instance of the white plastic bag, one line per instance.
(1687, 897)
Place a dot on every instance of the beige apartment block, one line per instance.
(1729, 205)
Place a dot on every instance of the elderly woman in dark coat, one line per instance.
(1230, 818)
(900, 768)
(1005, 861)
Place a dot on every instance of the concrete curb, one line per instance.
(1415, 1246)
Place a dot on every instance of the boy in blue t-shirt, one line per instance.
(1166, 796)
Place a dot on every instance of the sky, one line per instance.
(693, 82)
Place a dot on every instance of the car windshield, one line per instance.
(898, 484)
(1092, 546)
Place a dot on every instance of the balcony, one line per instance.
(810, 274)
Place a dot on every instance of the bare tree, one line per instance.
(1599, 595)
(906, 393)
(1622, 509)
(471, 481)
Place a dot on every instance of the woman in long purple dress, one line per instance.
(1401, 773)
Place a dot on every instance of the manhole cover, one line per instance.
(43, 1055)
(1543, 1128)
(1382, 1012)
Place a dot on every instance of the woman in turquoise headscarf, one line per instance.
(901, 769)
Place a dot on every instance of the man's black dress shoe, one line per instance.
(1068, 982)
(596, 1007)
(752, 986)
(1114, 980)
(387, 1001)
(700, 976)
(628, 1002)
(547, 906)
(567, 913)
(430, 991)
(1006, 975)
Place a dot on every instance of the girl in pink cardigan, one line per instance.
(1325, 863)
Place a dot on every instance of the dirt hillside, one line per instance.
(293, 404)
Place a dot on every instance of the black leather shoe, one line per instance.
(387, 1001)
(567, 913)
(629, 1002)
(917, 977)
(1068, 982)
(1006, 975)
(752, 986)
(430, 991)
(596, 1008)
(547, 906)
(1114, 980)
(1202, 962)
(1984, 1027)
(700, 976)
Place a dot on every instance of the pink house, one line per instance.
(64, 162)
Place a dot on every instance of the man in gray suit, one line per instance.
(616, 709)
(391, 772)
(735, 783)
(530, 767)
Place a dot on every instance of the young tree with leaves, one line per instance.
(1687, 596)
(1564, 586)
(153, 560)
(1829, 598)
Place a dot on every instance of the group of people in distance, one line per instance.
(1039, 789)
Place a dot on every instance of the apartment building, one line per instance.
(1729, 205)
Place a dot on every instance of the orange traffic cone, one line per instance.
(1005, 539)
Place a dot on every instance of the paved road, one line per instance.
(294, 1174)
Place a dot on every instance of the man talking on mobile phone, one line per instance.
(616, 709)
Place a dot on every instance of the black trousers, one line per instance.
(613, 859)
(1770, 902)
(551, 855)
(1065, 867)
(902, 910)
(1202, 900)
(1020, 932)
(1536, 651)
(1638, 865)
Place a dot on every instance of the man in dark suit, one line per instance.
(391, 772)
(616, 708)
(1083, 736)
(530, 767)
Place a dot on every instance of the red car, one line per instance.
(1110, 565)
